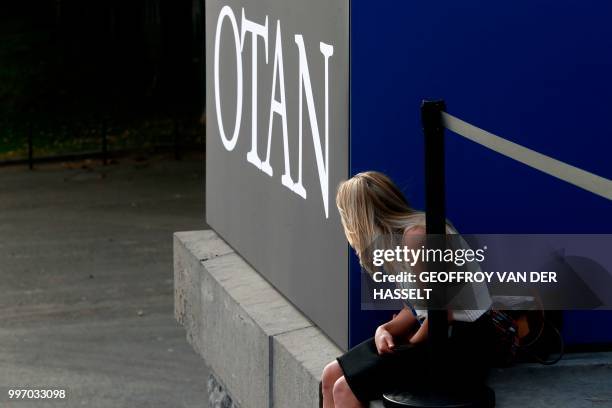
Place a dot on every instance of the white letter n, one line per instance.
(305, 84)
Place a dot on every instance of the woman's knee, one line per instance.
(330, 375)
(342, 392)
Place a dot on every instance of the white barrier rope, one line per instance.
(563, 171)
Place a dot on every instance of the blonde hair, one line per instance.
(371, 205)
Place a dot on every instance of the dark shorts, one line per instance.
(370, 374)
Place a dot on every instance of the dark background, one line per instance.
(69, 68)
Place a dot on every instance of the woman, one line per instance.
(371, 206)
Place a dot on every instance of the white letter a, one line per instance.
(280, 108)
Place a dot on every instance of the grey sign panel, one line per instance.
(277, 145)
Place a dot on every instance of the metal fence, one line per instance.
(101, 138)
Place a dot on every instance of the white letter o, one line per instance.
(229, 144)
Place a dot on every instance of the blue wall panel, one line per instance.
(534, 72)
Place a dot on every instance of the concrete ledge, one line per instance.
(265, 353)
(298, 359)
(260, 347)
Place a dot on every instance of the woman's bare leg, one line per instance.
(344, 397)
(330, 375)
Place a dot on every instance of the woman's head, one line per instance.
(370, 204)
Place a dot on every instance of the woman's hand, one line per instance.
(383, 340)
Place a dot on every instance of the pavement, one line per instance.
(579, 380)
(86, 284)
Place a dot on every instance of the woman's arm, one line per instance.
(401, 326)
(415, 237)
(421, 334)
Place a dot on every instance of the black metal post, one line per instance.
(104, 142)
(435, 216)
(435, 184)
(30, 146)
(440, 392)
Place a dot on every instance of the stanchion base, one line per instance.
(482, 398)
